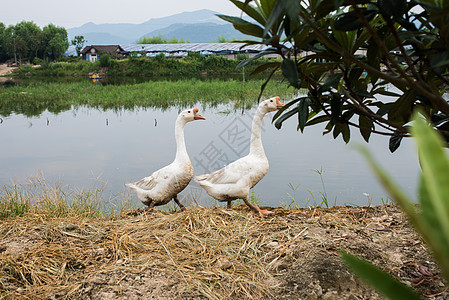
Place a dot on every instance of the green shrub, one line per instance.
(432, 219)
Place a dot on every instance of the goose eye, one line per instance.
(188, 111)
(271, 101)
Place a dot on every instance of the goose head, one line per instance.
(190, 115)
(271, 104)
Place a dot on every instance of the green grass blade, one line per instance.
(395, 192)
(434, 189)
(380, 280)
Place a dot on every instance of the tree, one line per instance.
(54, 41)
(27, 39)
(78, 41)
(3, 52)
(365, 64)
(158, 39)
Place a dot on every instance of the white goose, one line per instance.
(236, 179)
(165, 184)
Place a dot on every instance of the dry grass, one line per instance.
(208, 253)
(216, 253)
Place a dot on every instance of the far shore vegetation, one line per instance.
(193, 64)
(34, 98)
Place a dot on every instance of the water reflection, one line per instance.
(80, 145)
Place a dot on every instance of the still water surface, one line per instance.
(82, 146)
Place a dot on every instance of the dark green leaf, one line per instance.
(354, 75)
(366, 127)
(262, 88)
(337, 3)
(342, 128)
(410, 26)
(303, 112)
(258, 55)
(331, 81)
(285, 107)
(250, 11)
(318, 120)
(244, 26)
(350, 21)
(364, 94)
(290, 72)
(276, 16)
(380, 280)
(401, 110)
(265, 66)
(233, 20)
(250, 29)
(384, 109)
(373, 54)
(393, 8)
(335, 108)
(439, 61)
(285, 116)
(292, 8)
(382, 91)
(346, 132)
(395, 142)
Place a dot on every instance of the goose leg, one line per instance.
(150, 206)
(183, 208)
(256, 208)
(229, 205)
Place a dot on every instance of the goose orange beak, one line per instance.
(279, 104)
(196, 115)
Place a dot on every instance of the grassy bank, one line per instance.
(38, 197)
(193, 64)
(34, 98)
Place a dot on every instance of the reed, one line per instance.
(54, 200)
(34, 98)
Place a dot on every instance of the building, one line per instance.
(228, 50)
(93, 53)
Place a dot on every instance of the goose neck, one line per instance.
(181, 151)
(256, 146)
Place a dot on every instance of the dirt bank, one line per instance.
(211, 253)
(5, 70)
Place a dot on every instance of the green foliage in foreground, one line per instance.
(366, 65)
(431, 222)
(55, 97)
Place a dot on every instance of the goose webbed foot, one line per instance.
(256, 209)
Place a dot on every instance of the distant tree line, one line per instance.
(27, 41)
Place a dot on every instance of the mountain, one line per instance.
(199, 32)
(178, 25)
(103, 38)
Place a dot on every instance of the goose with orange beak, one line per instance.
(165, 184)
(236, 179)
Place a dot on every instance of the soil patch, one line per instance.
(212, 253)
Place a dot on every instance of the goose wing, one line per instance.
(157, 178)
(230, 174)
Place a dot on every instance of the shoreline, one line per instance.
(211, 253)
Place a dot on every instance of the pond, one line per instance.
(82, 147)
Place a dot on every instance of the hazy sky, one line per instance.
(77, 12)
